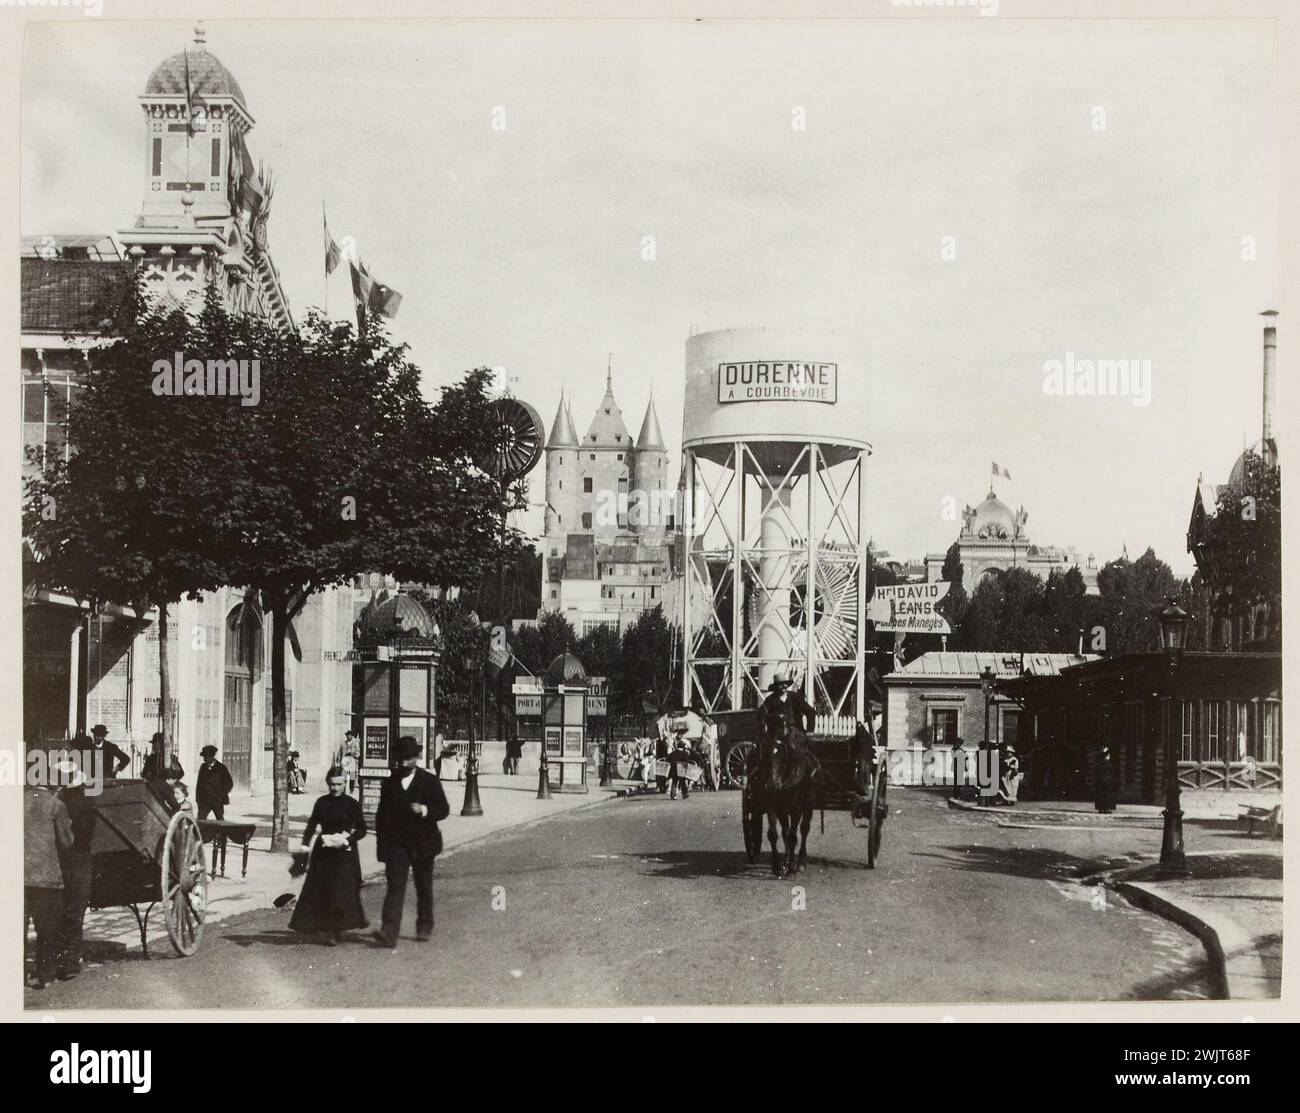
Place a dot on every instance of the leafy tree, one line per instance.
(1064, 610)
(651, 670)
(1241, 545)
(1005, 614)
(538, 645)
(128, 519)
(1132, 595)
(601, 652)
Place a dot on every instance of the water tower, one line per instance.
(775, 469)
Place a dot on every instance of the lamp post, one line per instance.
(471, 807)
(988, 677)
(1173, 637)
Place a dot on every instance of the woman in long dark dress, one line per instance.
(330, 901)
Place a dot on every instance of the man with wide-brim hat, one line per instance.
(411, 804)
(785, 711)
(212, 786)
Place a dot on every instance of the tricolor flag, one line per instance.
(332, 252)
(1001, 471)
(361, 284)
(250, 187)
(384, 300)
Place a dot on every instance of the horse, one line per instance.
(782, 785)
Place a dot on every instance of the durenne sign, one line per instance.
(777, 380)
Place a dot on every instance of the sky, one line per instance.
(951, 198)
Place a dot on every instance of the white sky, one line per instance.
(522, 248)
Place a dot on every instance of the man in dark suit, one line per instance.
(411, 803)
(786, 713)
(47, 841)
(108, 758)
(212, 786)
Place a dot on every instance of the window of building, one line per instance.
(47, 394)
(554, 594)
(1270, 742)
(593, 455)
(1011, 727)
(620, 457)
(1187, 749)
(943, 726)
(586, 521)
(561, 484)
(586, 485)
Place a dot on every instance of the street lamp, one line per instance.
(471, 807)
(1173, 638)
(988, 677)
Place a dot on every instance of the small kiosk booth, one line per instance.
(393, 688)
(564, 724)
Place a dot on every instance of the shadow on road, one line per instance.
(1031, 862)
(690, 865)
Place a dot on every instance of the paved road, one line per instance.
(651, 902)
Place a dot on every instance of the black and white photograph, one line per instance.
(677, 513)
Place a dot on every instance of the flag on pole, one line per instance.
(384, 300)
(250, 187)
(1001, 471)
(332, 252)
(361, 283)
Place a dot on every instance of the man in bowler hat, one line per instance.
(411, 803)
(212, 786)
(108, 757)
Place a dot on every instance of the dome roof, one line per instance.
(208, 77)
(400, 614)
(1267, 449)
(993, 520)
(565, 669)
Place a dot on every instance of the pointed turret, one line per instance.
(563, 434)
(652, 436)
(607, 429)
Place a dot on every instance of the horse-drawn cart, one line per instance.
(848, 773)
(147, 850)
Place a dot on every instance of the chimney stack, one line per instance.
(1270, 379)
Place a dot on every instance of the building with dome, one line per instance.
(611, 519)
(994, 537)
(203, 219)
(1231, 626)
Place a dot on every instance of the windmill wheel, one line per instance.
(517, 440)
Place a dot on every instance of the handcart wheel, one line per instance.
(184, 883)
(738, 761)
(876, 817)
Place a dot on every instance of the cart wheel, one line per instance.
(739, 758)
(752, 846)
(184, 883)
(876, 817)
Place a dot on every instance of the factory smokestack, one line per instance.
(1270, 383)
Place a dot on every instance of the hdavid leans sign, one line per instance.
(909, 608)
(777, 380)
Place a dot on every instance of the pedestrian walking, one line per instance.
(330, 901)
(514, 751)
(350, 760)
(47, 841)
(1104, 781)
(411, 804)
(212, 786)
(678, 760)
(78, 869)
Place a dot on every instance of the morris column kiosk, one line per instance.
(393, 688)
(564, 724)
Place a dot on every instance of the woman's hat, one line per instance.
(208, 749)
(405, 747)
(779, 684)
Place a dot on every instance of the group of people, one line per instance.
(411, 805)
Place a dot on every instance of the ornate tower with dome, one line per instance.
(994, 537)
(206, 206)
(610, 517)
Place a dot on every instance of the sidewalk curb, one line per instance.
(1082, 820)
(1239, 970)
